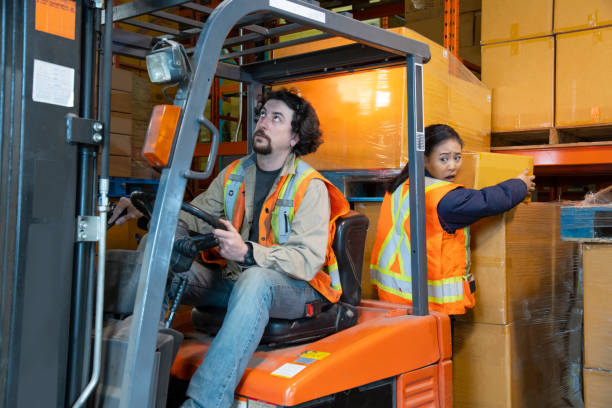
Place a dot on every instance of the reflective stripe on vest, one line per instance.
(284, 211)
(396, 247)
(233, 185)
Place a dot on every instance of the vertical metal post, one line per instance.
(416, 158)
(254, 91)
(78, 368)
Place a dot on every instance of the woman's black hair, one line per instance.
(434, 135)
(305, 122)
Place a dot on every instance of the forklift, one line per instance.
(363, 353)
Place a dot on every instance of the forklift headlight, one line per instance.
(168, 63)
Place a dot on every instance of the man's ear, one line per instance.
(295, 138)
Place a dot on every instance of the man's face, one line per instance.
(273, 134)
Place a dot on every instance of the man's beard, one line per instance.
(262, 149)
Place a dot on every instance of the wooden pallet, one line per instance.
(553, 135)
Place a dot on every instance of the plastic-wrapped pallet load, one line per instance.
(590, 223)
(365, 128)
(512, 349)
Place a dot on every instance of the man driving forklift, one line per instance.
(276, 265)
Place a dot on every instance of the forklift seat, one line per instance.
(348, 246)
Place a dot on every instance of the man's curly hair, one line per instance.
(305, 122)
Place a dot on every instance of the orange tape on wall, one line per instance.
(57, 17)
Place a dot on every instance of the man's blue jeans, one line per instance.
(257, 295)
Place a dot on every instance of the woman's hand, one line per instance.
(528, 180)
(231, 244)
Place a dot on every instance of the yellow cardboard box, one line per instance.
(573, 15)
(521, 77)
(596, 261)
(505, 20)
(584, 69)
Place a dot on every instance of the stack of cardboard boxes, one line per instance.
(547, 62)
(120, 163)
(597, 373)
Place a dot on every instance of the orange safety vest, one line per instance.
(278, 212)
(448, 255)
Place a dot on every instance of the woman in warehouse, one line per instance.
(449, 210)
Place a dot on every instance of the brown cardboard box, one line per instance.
(521, 77)
(573, 15)
(121, 80)
(584, 69)
(521, 267)
(118, 166)
(505, 20)
(120, 145)
(121, 101)
(507, 366)
(372, 211)
(121, 123)
(596, 261)
(370, 116)
(597, 388)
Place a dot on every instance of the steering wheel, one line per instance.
(184, 249)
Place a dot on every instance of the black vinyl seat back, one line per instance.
(348, 246)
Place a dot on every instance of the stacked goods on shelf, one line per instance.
(597, 374)
(121, 124)
(366, 127)
(547, 64)
(518, 60)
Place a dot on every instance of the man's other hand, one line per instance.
(528, 180)
(231, 244)
(124, 204)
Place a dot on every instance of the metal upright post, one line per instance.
(416, 158)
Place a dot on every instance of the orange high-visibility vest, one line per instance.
(282, 205)
(448, 255)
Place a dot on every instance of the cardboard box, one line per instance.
(521, 267)
(507, 366)
(521, 77)
(372, 211)
(583, 94)
(505, 20)
(484, 169)
(365, 128)
(121, 123)
(120, 145)
(571, 15)
(596, 261)
(121, 80)
(597, 388)
(118, 166)
(121, 101)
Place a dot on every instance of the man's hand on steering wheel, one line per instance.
(231, 244)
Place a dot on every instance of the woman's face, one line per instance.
(444, 161)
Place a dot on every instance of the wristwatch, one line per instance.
(249, 260)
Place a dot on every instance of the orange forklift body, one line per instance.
(386, 342)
